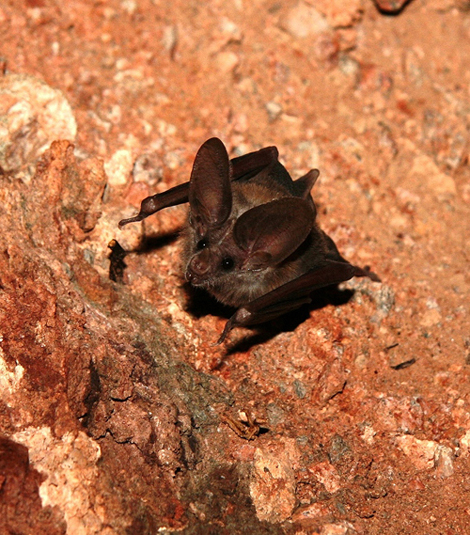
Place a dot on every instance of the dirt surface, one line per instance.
(118, 415)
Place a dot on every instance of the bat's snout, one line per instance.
(198, 268)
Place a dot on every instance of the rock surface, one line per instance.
(114, 403)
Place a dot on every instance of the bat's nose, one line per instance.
(198, 268)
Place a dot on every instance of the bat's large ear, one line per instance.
(271, 232)
(210, 193)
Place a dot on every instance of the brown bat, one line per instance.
(251, 239)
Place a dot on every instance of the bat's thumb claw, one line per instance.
(228, 327)
(372, 276)
(241, 317)
(134, 219)
(366, 272)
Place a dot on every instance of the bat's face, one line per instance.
(217, 264)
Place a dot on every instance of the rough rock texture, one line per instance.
(118, 415)
(32, 115)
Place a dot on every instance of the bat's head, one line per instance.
(236, 252)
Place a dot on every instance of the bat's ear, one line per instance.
(210, 193)
(271, 232)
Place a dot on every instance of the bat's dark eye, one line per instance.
(227, 263)
(202, 244)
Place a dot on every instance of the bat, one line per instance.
(252, 240)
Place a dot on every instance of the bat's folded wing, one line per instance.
(243, 168)
(249, 165)
(292, 295)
